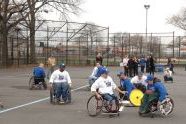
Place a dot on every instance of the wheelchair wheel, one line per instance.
(112, 108)
(136, 97)
(31, 83)
(52, 96)
(166, 107)
(94, 106)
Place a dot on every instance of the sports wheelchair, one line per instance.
(37, 83)
(164, 108)
(53, 99)
(97, 106)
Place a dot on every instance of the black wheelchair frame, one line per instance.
(102, 107)
(40, 85)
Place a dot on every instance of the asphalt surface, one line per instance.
(14, 92)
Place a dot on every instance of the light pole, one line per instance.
(146, 7)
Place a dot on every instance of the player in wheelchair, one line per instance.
(168, 75)
(38, 78)
(156, 98)
(60, 83)
(103, 94)
(139, 81)
(125, 85)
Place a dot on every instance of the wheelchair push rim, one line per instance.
(166, 107)
(136, 97)
(95, 109)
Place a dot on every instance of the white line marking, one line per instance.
(37, 101)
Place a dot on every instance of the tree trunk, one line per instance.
(4, 49)
(32, 36)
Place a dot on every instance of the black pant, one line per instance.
(130, 71)
(151, 70)
(142, 68)
(126, 70)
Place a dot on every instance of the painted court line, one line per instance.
(37, 101)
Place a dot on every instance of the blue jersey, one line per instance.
(98, 72)
(127, 85)
(160, 89)
(142, 62)
(39, 72)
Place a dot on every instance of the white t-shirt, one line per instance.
(60, 77)
(168, 73)
(125, 61)
(135, 80)
(104, 85)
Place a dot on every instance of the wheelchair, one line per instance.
(167, 79)
(53, 99)
(164, 109)
(97, 106)
(37, 83)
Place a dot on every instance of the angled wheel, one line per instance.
(166, 107)
(94, 106)
(52, 96)
(31, 83)
(136, 97)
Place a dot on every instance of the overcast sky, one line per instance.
(129, 15)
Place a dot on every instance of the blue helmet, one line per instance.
(149, 78)
(103, 70)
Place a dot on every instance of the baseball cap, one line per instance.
(120, 73)
(62, 65)
(103, 70)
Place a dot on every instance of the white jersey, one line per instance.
(60, 77)
(168, 73)
(125, 61)
(135, 80)
(104, 85)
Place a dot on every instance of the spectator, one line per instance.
(142, 63)
(99, 58)
(125, 64)
(168, 75)
(135, 69)
(130, 66)
(151, 63)
(147, 64)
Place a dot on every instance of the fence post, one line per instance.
(173, 45)
(67, 44)
(79, 50)
(179, 49)
(114, 50)
(122, 48)
(129, 44)
(108, 47)
(87, 50)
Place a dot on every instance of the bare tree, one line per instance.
(11, 13)
(178, 20)
(63, 6)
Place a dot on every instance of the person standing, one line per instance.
(135, 68)
(130, 66)
(142, 63)
(99, 59)
(125, 64)
(147, 64)
(151, 67)
(51, 63)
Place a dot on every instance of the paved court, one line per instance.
(23, 106)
